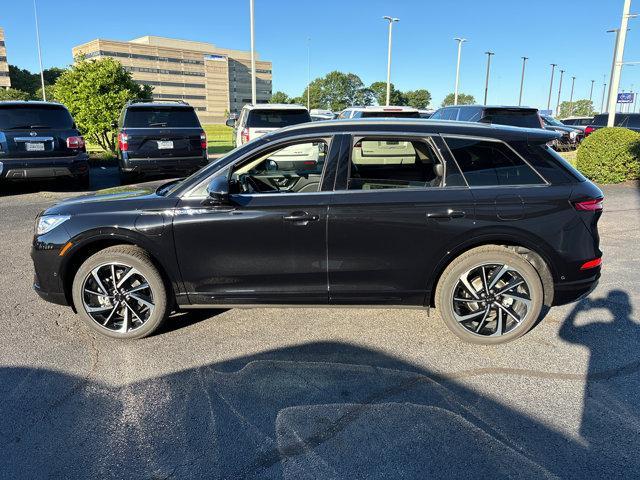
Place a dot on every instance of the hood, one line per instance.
(126, 198)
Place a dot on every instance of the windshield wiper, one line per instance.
(160, 124)
(24, 127)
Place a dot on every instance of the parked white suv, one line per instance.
(256, 120)
(380, 112)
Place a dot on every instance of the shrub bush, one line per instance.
(610, 155)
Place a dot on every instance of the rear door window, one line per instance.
(276, 118)
(161, 117)
(470, 114)
(16, 117)
(398, 114)
(489, 163)
(450, 114)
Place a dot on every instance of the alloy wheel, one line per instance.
(117, 297)
(491, 300)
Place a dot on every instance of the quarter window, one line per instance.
(487, 163)
(381, 163)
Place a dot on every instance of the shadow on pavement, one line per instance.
(324, 410)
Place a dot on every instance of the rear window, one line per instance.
(515, 118)
(276, 118)
(600, 120)
(161, 117)
(583, 122)
(549, 163)
(486, 163)
(34, 116)
(390, 115)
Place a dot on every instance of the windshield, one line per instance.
(161, 117)
(34, 116)
(552, 121)
(277, 118)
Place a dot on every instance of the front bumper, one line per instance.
(44, 167)
(160, 165)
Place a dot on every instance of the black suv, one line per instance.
(624, 120)
(39, 140)
(501, 115)
(160, 138)
(485, 222)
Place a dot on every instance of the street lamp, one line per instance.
(553, 67)
(309, 73)
(253, 57)
(524, 61)
(391, 20)
(604, 91)
(573, 82)
(486, 82)
(35, 12)
(460, 42)
(559, 92)
(591, 91)
(621, 38)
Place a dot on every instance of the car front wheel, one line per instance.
(490, 295)
(120, 293)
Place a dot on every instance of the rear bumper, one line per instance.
(43, 167)
(568, 292)
(165, 164)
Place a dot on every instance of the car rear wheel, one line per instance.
(120, 293)
(490, 295)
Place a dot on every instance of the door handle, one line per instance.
(300, 217)
(449, 213)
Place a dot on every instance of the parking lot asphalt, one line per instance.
(307, 393)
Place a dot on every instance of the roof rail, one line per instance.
(155, 100)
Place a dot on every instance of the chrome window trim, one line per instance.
(495, 140)
(32, 139)
(268, 145)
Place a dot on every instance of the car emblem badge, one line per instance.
(33, 134)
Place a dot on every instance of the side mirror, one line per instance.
(218, 190)
(230, 122)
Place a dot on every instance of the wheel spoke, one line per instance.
(97, 293)
(499, 325)
(525, 300)
(125, 321)
(466, 300)
(142, 301)
(508, 312)
(484, 319)
(113, 275)
(133, 311)
(462, 318)
(137, 289)
(124, 278)
(94, 273)
(497, 276)
(98, 309)
(484, 281)
(115, 307)
(465, 281)
(510, 286)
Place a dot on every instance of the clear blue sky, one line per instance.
(349, 35)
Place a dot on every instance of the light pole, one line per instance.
(253, 57)
(486, 82)
(308, 73)
(613, 63)
(35, 12)
(559, 92)
(391, 20)
(460, 42)
(573, 82)
(524, 61)
(617, 62)
(591, 91)
(553, 68)
(604, 91)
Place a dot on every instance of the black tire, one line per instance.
(131, 256)
(451, 284)
(82, 182)
(127, 178)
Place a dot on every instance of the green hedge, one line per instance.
(610, 155)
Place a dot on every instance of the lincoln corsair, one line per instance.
(486, 223)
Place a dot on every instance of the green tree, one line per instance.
(420, 98)
(280, 97)
(340, 90)
(52, 74)
(22, 79)
(13, 94)
(463, 99)
(579, 108)
(379, 90)
(50, 90)
(95, 91)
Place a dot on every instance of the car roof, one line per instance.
(30, 102)
(418, 127)
(159, 104)
(383, 108)
(509, 107)
(275, 106)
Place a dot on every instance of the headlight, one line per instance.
(46, 223)
(573, 135)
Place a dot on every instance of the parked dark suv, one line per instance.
(485, 222)
(624, 120)
(501, 115)
(158, 138)
(39, 140)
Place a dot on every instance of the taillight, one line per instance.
(244, 135)
(123, 142)
(596, 262)
(75, 143)
(203, 141)
(589, 130)
(594, 205)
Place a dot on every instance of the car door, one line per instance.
(263, 247)
(392, 219)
